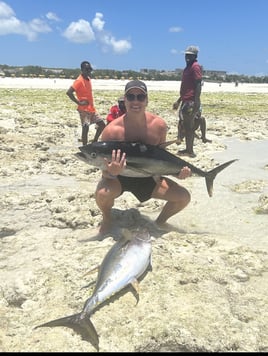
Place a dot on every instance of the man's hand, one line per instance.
(175, 105)
(117, 164)
(185, 172)
(83, 102)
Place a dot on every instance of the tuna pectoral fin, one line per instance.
(136, 287)
(210, 176)
(81, 325)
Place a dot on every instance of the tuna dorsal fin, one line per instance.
(167, 143)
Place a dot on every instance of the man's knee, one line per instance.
(85, 127)
(182, 198)
(108, 190)
(104, 198)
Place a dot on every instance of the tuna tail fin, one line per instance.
(210, 176)
(81, 325)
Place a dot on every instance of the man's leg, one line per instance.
(85, 129)
(186, 113)
(203, 128)
(196, 126)
(85, 121)
(177, 198)
(181, 132)
(106, 193)
(189, 134)
(100, 127)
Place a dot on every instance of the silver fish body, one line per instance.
(144, 160)
(126, 261)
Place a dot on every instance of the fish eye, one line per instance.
(93, 155)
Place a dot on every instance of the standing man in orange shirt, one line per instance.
(84, 99)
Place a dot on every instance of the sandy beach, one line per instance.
(116, 84)
(207, 291)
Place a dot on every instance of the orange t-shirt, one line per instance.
(83, 90)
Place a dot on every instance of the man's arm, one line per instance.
(70, 93)
(176, 104)
(197, 93)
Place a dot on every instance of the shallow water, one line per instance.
(252, 156)
(230, 214)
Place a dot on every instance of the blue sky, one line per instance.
(232, 35)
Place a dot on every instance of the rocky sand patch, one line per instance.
(207, 290)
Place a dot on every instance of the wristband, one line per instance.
(110, 176)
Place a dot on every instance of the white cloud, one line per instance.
(97, 22)
(175, 29)
(79, 32)
(82, 32)
(107, 41)
(5, 10)
(174, 51)
(118, 46)
(52, 16)
(10, 24)
(38, 25)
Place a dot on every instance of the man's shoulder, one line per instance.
(196, 65)
(153, 116)
(155, 119)
(113, 131)
(78, 80)
(197, 70)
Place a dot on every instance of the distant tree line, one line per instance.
(37, 71)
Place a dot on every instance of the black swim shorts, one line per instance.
(142, 188)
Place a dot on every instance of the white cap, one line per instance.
(192, 50)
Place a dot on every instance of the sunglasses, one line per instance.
(139, 97)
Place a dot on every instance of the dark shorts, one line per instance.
(142, 188)
(186, 108)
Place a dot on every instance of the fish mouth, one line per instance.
(81, 156)
(142, 234)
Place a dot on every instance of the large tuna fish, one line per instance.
(125, 262)
(143, 160)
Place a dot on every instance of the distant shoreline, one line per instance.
(118, 84)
